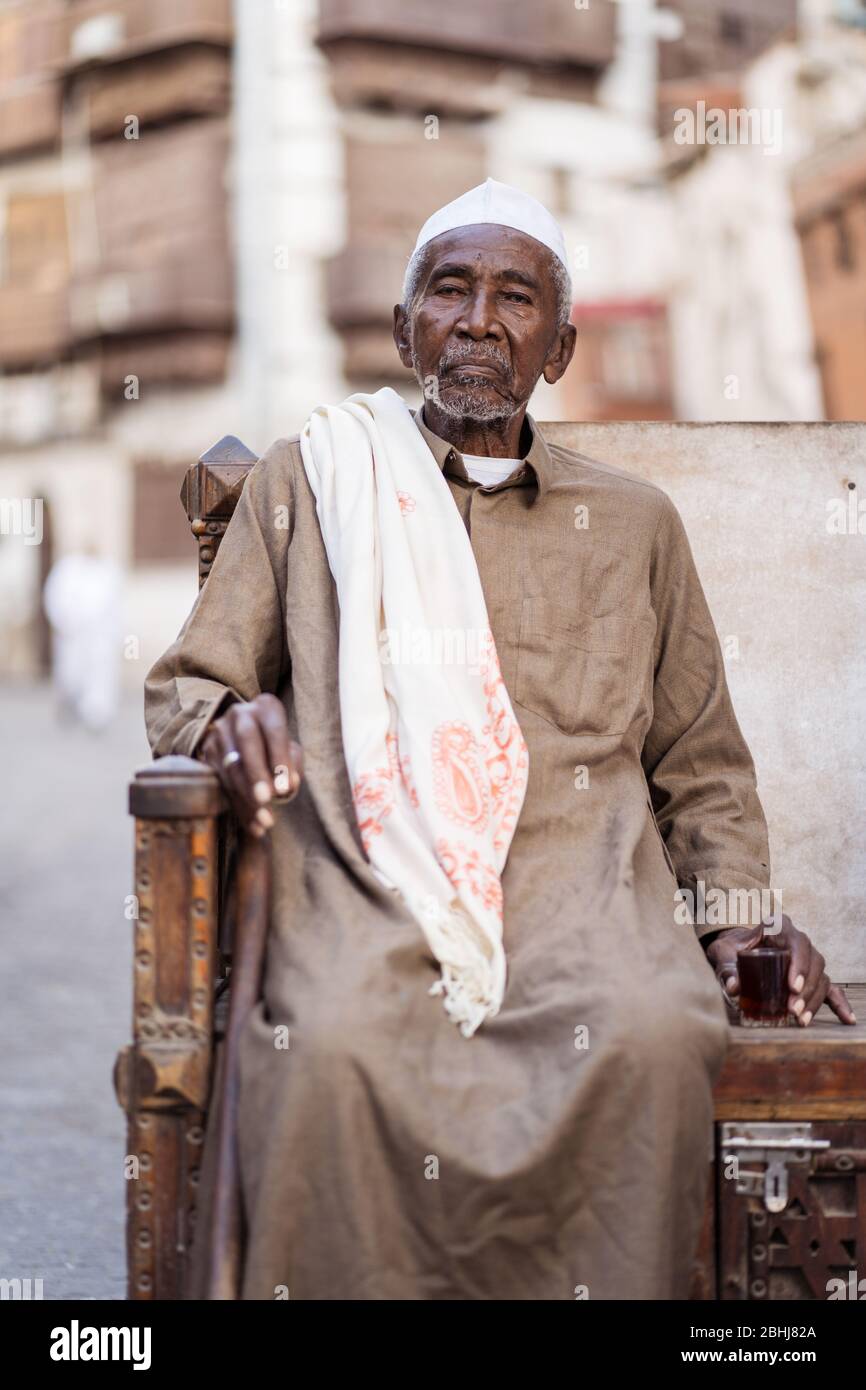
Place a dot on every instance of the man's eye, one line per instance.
(449, 289)
(517, 297)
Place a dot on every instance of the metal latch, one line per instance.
(776, 1145)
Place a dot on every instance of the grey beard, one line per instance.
(465, 400)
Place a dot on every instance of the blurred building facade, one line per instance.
(768, 319)
(206, 210)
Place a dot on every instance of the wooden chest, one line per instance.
(786, 1206)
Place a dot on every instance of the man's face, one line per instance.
(483, 325)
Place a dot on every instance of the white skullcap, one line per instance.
(502, 204)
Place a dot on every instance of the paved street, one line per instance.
(65, 868)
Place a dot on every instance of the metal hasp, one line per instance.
(776, 1145)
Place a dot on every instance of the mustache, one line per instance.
(487, 354)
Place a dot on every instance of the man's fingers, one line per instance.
(812, 995)
(225, 756)
(812, 1000)
(252, 774)
(723, 955)
(284, 756)
(808, 980)
(250, 749)
(803, 960)
(838, 1001)
(289, 774)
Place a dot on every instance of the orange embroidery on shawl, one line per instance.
(505, 753)
(465, 866)
(458, 780)
(374, 792)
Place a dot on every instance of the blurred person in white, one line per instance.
(82, 604)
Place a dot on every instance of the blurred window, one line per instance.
(732, 28)
(160, 530)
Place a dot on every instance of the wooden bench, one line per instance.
(786, 1204)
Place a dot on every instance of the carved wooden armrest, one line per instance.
(163, 1079)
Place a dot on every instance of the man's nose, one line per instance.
(479, 318)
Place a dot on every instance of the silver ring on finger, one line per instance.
(231, 758)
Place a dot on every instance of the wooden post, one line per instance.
(226, 1235)
(163, 1079)
(210, 494)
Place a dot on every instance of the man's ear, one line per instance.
(560, 354)
(402, 336)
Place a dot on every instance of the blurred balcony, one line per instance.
(545, 32)
(31, 46)
(829, 196)
(128, 247)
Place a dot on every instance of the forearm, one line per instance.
(232, 646)
(698, 766)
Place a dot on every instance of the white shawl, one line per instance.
(436, 759)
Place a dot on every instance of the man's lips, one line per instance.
(479, 369)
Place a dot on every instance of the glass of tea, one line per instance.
(764, 990)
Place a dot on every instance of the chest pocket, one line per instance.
(583, 674)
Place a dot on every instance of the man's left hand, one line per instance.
(808, 980)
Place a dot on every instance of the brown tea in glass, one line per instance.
(764, 989)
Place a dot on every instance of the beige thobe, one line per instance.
(561, 1151)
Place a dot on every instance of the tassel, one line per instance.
(473, 966)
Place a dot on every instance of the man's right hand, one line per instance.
(250, 750)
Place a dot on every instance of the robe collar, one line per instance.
(537, 463)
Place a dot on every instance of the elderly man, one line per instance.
(503, 826)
